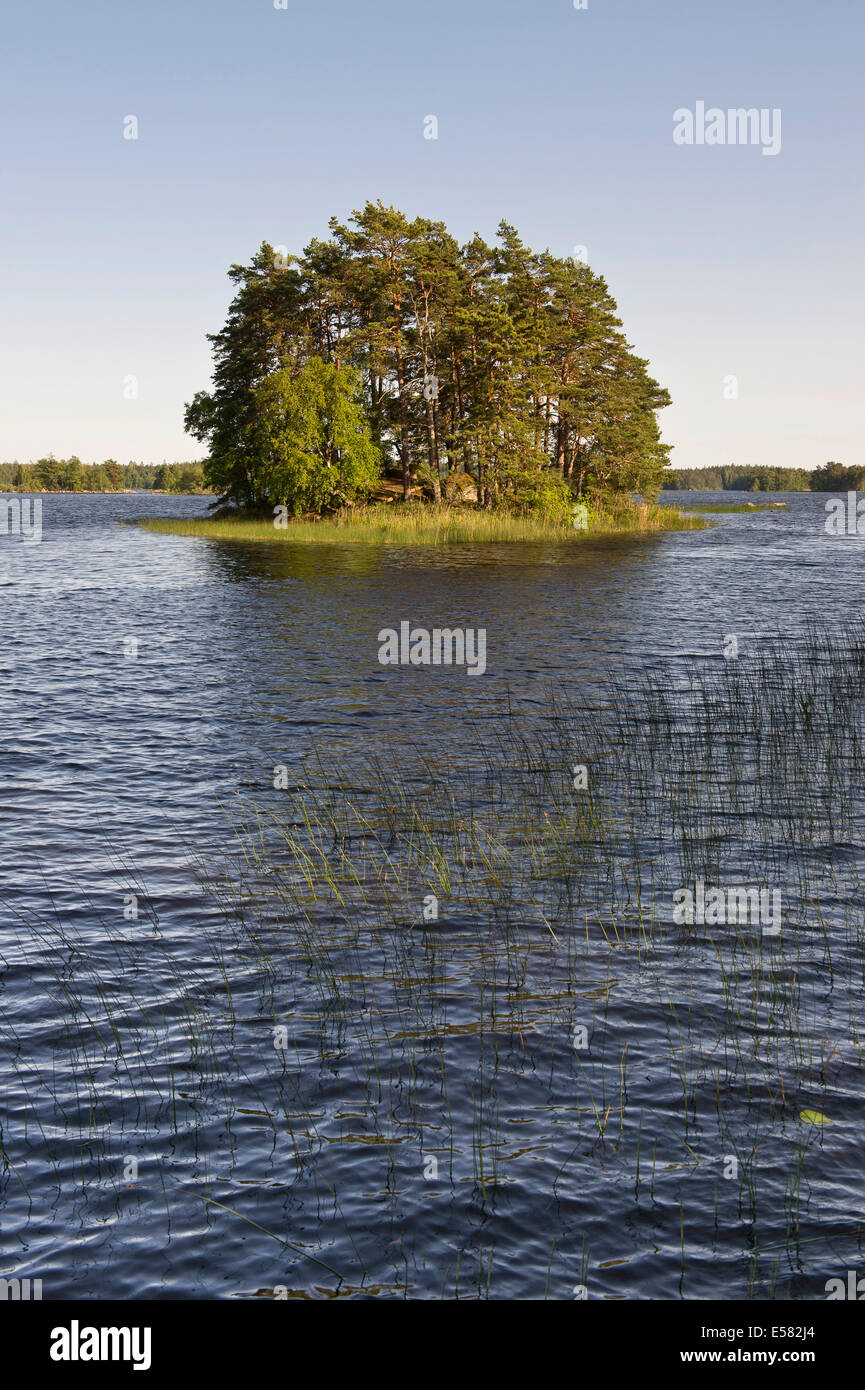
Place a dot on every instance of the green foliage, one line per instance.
(166, 479)
(740, 478)
(494, 362)
(71, 475)
(177, 477)
(420, 524)
(114, 474)
(313, 436)
(191, 479)
(544, 496)
(834, 477)
(46, 475)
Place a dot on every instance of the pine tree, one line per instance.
(496, 362)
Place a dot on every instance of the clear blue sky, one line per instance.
(257, 123)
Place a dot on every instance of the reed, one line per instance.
(460, 1038)
(412, 524)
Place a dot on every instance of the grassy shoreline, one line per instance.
(424, 524)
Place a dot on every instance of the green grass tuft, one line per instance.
(421, 524)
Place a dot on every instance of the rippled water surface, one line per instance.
(217, 1087)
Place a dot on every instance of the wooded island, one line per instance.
(493, 376)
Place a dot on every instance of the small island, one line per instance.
(390, 384)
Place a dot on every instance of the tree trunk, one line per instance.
(433, 452)
(403, 443)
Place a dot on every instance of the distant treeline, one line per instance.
(832, 477)
(71, 475)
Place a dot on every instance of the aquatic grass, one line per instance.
(517, 844)
(554, 912)
(410, 524)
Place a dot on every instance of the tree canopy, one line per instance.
(313, 437)
(831, 477)
(493, 363)
(72, 475)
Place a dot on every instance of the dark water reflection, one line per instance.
(300, 1160)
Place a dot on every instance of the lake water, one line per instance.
(205, 1101)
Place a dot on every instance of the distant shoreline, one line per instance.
(101, 492)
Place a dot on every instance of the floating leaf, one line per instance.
(813, 1117)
